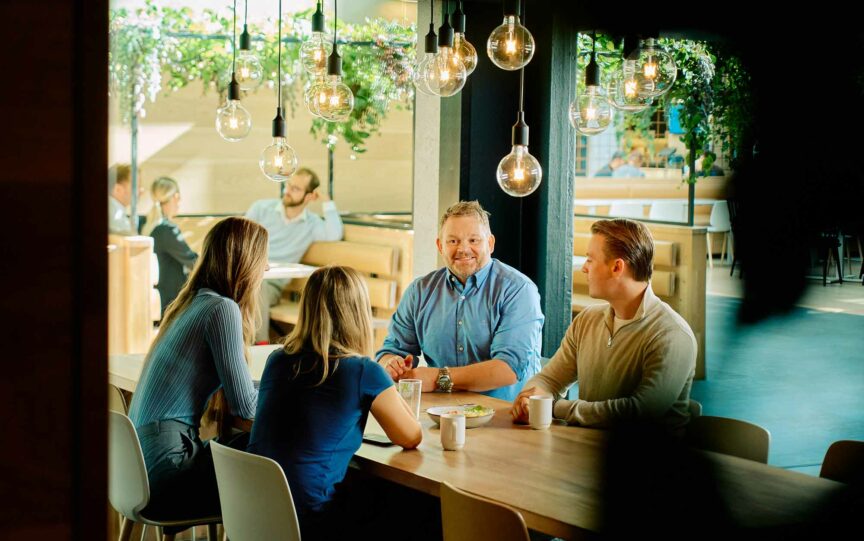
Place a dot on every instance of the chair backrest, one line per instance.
(668, 211)
(720, 216)
(730, 437)
(116, 400)
(626, 210)
(695, 409)
(466, 517)
(256, 500)
(844, 461)
(128, 488)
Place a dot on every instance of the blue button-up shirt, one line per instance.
(495, 315)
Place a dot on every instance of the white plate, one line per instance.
(470, 422)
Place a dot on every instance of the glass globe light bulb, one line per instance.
(519, 173)
(657, 66)
(310, 96)
(590, 112)
(510, 46)
(333, 101)
(233, 121)
(419, 75)
(628, 90)
(314, 53)
(444, 76)
(248, 70)
(464, 52)
(278, 161)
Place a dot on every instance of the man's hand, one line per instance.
(428, 375)
(519, 411)
(395, 365)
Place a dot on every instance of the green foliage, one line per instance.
(156, 46)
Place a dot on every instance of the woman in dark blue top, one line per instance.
(312, 407)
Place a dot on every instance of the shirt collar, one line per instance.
(649, 301)
(300, 217)
(476, 280)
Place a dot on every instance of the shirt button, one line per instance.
(459, 322)
(462, 298)
(460, 348)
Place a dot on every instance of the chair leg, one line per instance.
(723, 248)
(126, 530)
(710, 255)
(836, 252)
(211, 533)
(167, 536)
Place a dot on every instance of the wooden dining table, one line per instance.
(553, 477)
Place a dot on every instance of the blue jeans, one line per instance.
(180, 471)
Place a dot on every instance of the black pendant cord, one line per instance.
(234, 41)
(335, 18)
(522, 69)
(245, 12)
(279, 62)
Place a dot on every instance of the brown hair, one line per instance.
(314, 181)
(232, 264)
(119, 174)
(628, 240)
(467, 208)
(335, 318)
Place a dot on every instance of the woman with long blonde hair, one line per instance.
(317, 391)
(200, 356)
(175, 257)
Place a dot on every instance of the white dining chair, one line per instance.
(626, 210)
(129, 488)
(729, 437)
(255, 496)
(719, 222)
(672, 210)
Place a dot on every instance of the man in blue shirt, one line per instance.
(292, 229)
(477, 321)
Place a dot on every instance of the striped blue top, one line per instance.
(199, 353)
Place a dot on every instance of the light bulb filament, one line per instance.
(650, 70)
(630, 88)
(510, 46)
(334, 99)
(244, 72)
(591, 112)
(277, 161)
(233, 123)
(519, 173)
(445, 75)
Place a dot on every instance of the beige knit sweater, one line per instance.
(642, 371)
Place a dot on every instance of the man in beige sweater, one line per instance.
(634, 358)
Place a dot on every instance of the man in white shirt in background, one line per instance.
(119, 198)
(292, 229)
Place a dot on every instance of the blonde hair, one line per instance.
(335, 319)
(467, 208)
(232, 264)
(628, 240)
(162, 190)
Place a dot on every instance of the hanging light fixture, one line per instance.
(657, 66)
(628, 89)
(233, 121)
(445, 75)
(331, 99)
(278, 161)
(463, 50)
(590, 112)
(510, 46)
(519, 173)
(249, 72)
(419, 75)
(316, 49)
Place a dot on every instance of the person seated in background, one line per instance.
(200, 354)
(635, 357)
(476, 321)
(292, 229)
(119, 198)
(616, 161)
(631, 168)
(316, 393)
(175, 257)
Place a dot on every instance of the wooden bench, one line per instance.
(678, 277)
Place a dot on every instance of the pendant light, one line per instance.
(249, 71)
(657, 66)
(233, 121)
(510, 46)
(278, 161)
(628, 89)
(519, 173)
(463, 50)
(419, 75)
(445, 75)
(316, 49)
(590, 112)
(332, 100)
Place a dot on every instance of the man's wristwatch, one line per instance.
(555, 398)
(445, 383)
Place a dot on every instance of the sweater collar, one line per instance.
(649, 302)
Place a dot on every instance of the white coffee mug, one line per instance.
(540, 412)
(452, 431)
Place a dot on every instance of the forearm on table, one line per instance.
(482, 376)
